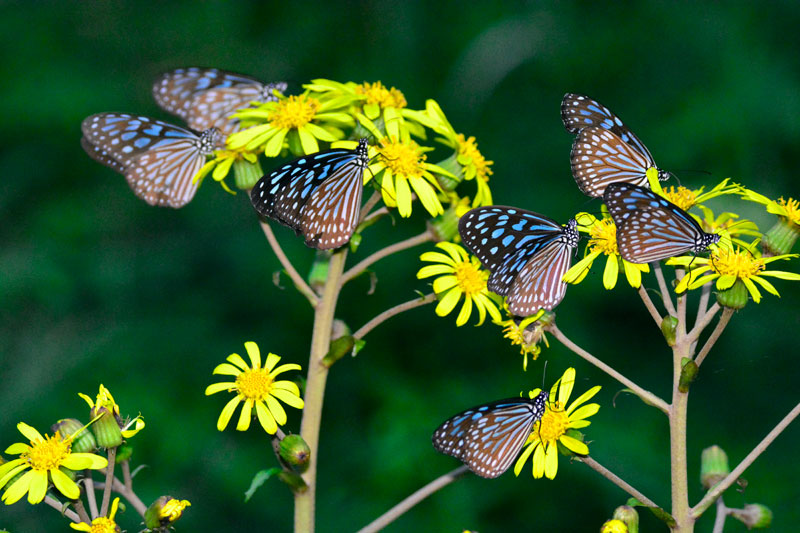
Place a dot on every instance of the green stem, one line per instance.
(315, 389)
(112, 455)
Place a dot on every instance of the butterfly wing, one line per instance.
(487, 438)
(539, 284)
(649, 227)
(164, 176)
(599, 158)
(579, 112)
(318, 195)
(504, 239)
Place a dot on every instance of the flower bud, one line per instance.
(628, 516)
(246, 174)
(780, 238)
(689, 370)
(164, 511)
(753, 515)
(614, 526)
(713, 466)
(106, 428)
(668, 327)
(734, 297)
(295, 452)
(82, 440)
(445, 226)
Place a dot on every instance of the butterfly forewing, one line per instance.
(504, 239)
(599, 158)
(579, 112)
(651, 228)
(487, 438)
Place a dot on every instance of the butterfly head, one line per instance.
(663, 175)
(210, 140)
(268, 91)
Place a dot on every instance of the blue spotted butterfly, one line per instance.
(605, 149)
(317, 195)
(488, 437)
(207, 97)
(650, 228)
(158, 159)
(527, 254)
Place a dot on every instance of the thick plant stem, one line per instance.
(315, 389)
(681, 511)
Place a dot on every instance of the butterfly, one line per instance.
(650, 228)
(317, 195)
(605, 150)
(207, 97)
(158, 159)
(527, 254)
(488, 437)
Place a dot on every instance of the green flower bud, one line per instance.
(713, 466)
(124, 453)
(445, 226)
(629, 516)
(780, 238)
(668, 327)
(295, 452)
(734, 297)
(451, 165)
(106, 428)
(689, 370)
(246, 174)
(753, 515)
(82, 439)
(164, 511)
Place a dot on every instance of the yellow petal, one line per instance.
(551, 462)
(479, 305)
(227, 411)
(82, 461)
(726, 281)
(307, 141)
(11, 469)
(611, 272)
(427, 195)
(254, 353)
(272, 360)
(38, 486)
(288, 386)
(277, 410)
(237, 360)
(766, 285)
(567, 383)
(584, 412)
(574, 444)
(753, 290)
(244, 416)
(443, 283)
(403, 198)
(218, 387)
(16, 449)
(464, 314)
(227, 369)
(275, 143)
(288, 398)
(64, 484)
(578, 271)
(436, 257)
(18, 489)
(265, 419)
(633, 274)
(433, 270)
(522, 458)
(29, 432)
(582, 398)
(538, 462)
(448, 302)
(284, 368)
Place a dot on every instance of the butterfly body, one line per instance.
(317, 195)
(158, 159)
(605, 149)
(526, 253)
(651, 228)
(207, 97)
(488, 437)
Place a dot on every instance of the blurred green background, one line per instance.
(97, 287)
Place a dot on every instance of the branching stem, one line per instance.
(727, 313)
(389, 313)
(651, 308)
(665, 294)
(296, 278)
(360, 267)
(616, 480)
(58, 506)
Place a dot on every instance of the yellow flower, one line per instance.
(614, 526)
(786, 209)
(687, 198)
(45, 457)
(220, 166)
(459, 274)
(105, 400)
(527, 333)
(603, 241)
(728, 265)
(173, 509)
(377, 97)
(256, 387)
(301, 120)
(554, 426)
(101, 524)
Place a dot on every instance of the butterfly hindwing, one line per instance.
(488, 437)
(539, 284)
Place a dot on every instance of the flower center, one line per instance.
(737, 263)
(554, 423)
(294, 112)
(376, 93)
(48, 454)
(103, 525)
(604, 236)
(469, 148)
(792, 209)
(681, 196)
(254, 384)
(402, 158)
(470, 278)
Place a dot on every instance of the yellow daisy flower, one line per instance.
(44, 456)
(301, 120)
(527, 333)
(105, 401)
(459, 274)
(727, 265)
(781, 237)
(788, 209)
(221, 165)
(614, 526)
(554, 427)
(255, 386)
(687, 198)
(101, 524)
(603, 241)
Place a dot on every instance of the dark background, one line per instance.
(97, 287)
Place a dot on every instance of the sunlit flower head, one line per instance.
(727, 265)
(101, 524)
(614, 526)
(221, 165)
(527, 333)
(43, 459)
(173, 509)
(555, 427)
(255, 386)
(603, 241)
(301, 120)
(459, 274)
(687, 198)
(378, 97)
(788, 209)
